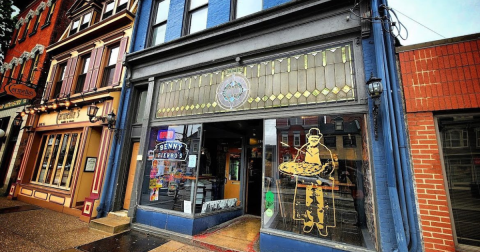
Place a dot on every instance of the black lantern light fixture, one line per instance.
(375, 89)
(110, 119)
(18, 120)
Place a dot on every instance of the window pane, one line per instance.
(197, 3)
(317, 191)
(109, 7)
(39, 158)
(61, 158)
(51, 167)
(75, 24)
(113, 56)
(86, 62)
(246, 7)
(462, 171)
(162, 11)
(70, 162)
(123, 2)
(48, 153)
(170, 170)
(87, 18)
(158, 35)
(198, 20)
(140, 107)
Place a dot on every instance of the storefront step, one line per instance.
(111, 224)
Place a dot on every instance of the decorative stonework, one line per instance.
(38, 49)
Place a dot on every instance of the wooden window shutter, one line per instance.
(65, 78)
(48, 87)
(96, 68)
(86, 86)
(70, 75)
(119, 66)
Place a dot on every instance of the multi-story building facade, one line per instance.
(22, 77)
(441, 86)
(71, 134)
(261, 107)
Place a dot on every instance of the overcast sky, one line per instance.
(450, 18)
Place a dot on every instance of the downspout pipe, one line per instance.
(386, 126)
(402, 142)
(117, 143)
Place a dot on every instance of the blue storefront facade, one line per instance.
(244, 90)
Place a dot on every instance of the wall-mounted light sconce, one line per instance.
(18, 120)
(92, 115)
(2, 133)
(375, 89)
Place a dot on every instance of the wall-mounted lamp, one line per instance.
(17, 121)
(375, 89)
(92, 115)
(2, 133)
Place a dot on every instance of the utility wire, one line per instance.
(418, 23)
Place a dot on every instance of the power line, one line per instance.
(419, 23)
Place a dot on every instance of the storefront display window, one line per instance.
(461, 157)
(319, 190)
(171, 167)
(56, 159)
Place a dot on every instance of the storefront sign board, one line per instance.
(13, 104)
(21, 91)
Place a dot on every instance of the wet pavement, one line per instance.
(131, 241)
(26, 228)
(240, 234)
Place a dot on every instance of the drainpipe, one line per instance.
(386, 110)
(401, 133)
(117, 143)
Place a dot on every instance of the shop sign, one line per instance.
(20, 91)
(68, 116)
(171, 150)
(13, 104)
(233, 92)
(164, 135)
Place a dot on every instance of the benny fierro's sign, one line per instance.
(20, 91)
(171, 150)
(68, 116)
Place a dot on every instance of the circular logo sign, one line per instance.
(233, 92)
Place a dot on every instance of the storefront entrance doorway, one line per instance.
(232, 153)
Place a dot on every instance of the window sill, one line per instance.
(33, 33)
(21, 40)
(12, 46)
(45, 25)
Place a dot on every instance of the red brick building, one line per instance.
(441, 85)
(26, 63)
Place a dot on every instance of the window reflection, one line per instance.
(318, 188)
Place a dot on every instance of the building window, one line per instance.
(84, 62)
(321, 192)
(33, 68)
(477, 134)
(142, 97)
(456, 138)
(24, 35)
(50, 14)
(108, 11)
(15, 36)
(59, 80)
(110, 66)
(349, 141)
(462, 172)
(296, 139)
(37, 22)
(196, 18)
(330, 141)
(160, 22)
(74, 28)
(246, 7)
(86, 21)
(56, 159)
(285, 139)
(22, 69)
(122, 5)
(169, 154)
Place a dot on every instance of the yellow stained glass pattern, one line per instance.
(314, 77)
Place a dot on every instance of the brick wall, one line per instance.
(430, 187)
(442, 77)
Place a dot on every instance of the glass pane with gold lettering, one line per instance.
(317, 190)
